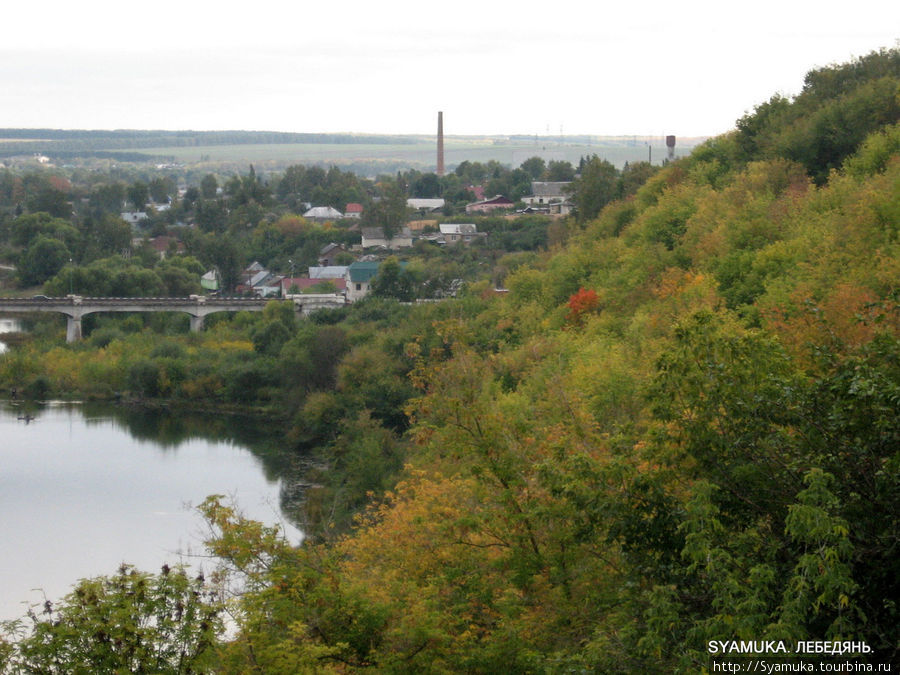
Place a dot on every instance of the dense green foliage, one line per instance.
(681, 424)
(132, 622)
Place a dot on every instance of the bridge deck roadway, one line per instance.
(76, 307)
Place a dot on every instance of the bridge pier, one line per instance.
(73, 328)
(196, 323)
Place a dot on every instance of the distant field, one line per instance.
(363, 154)
(421, 156)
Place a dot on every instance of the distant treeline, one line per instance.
(77, 140)
(111, 154)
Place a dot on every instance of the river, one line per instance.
(84, 488)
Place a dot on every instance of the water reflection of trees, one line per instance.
(169, 429)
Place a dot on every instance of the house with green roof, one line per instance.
(359, 276)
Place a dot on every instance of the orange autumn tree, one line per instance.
(584, 302)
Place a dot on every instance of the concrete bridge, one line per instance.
(198, 307)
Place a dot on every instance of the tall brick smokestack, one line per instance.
(440, 148)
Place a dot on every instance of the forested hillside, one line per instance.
(681, 424)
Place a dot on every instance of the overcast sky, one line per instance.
(623, 68)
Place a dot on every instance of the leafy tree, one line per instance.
(247, 190)
(191, 195)
(251, 380)
(179, 282)
(212, 215)
(427, 185)
(580, 304)
(52, 201)
(118, 277)
(472, 173)
(26, 228)
(595, 188)
(108, 198)
(534, 167)
(633, 176)
(559, 170)
(312, 355)
(138, 193)
(104, 234)
(222, 253)
(875, 153)
(161, 188)
(209, 186)
(392, 281)
(390, 213)
(42, 260)
(751, 127)
(131, 622)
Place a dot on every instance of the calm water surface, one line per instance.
(8, 326)
(83, 489)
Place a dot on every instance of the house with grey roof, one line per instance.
(328, 254)
(551, 197)
(328, 272)
(323, 213)
(452, 233)
(374, 236)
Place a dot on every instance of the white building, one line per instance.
(425, 204)
(545, 193)
(323, 213)
(133, 217)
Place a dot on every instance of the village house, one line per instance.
(210, 281)
(374, 236)
(259, 281)
(549, 197)
(353, 210)
(359, 277)
(561, 208)
(251, 271)
(495, 203)
(165, 245)
(265, 284)
(134, 217)
(328, 254)
(452, 233)
(328, 272)
(544, 193)
(424, 206)
(323, 213)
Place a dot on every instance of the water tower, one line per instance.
(670, 144)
